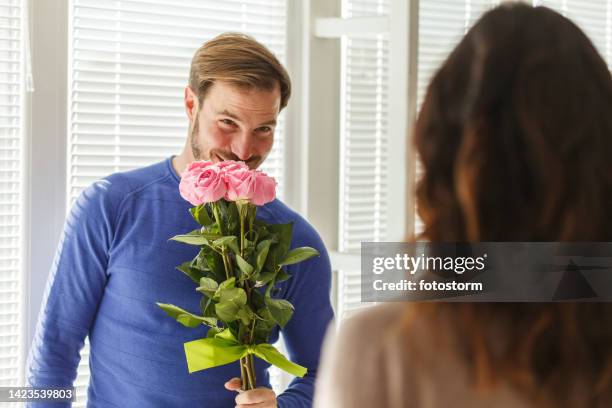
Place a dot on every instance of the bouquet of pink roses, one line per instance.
(240, 261)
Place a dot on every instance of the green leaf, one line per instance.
(209, 259)
(262, 230)
(257, 300)
(263, 325)
(280, 309)
(222, 207)
(186, 318)
(244, 266)
(208, 286)
(230, 303)
(191, 239)
(193, 273)
(282, 276)
(278, 251)
(266, 317)
(229, 217)
(261, 253)
(200, 214)
(234, 328)
(228, 312)
(298, 255)
(229, 241)
(249, 246)
(264, 278)
(207, 307)
(223, 286)
(195, 238)
(228, 284)
(214, 229)
(245, 314)
(234, 295)
(224, 241)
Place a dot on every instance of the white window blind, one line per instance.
(442, 23)
(11, 184)
(129, 64)
(363, 145)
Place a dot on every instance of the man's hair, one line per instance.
(239, 60)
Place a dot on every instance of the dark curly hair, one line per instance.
(515, 137)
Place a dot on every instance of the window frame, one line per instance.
(403, 48)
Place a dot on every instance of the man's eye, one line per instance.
(228, 122)
(265, 129)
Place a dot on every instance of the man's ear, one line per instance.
(191, 103)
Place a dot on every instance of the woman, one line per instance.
(515, 136)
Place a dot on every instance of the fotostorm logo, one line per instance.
(412, 264)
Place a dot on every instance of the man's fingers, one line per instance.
(257, 396)
(235, 384)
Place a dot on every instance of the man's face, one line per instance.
(233, 123)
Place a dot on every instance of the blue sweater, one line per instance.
(114, 262)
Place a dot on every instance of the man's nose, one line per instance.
(242, 146)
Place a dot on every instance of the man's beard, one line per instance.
(193, 140)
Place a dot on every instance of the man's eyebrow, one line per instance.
(225, 112)
(228, 113)
(269, 123)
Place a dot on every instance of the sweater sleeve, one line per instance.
(309, 292)
(74, 288)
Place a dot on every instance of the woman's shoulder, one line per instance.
(363, 364)
(409, 357)
(379, 316)
(394, 322)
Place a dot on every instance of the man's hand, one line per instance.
(260, 397)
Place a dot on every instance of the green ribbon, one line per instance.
(223, 349)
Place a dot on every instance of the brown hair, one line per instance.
(515, 137)
(239, 60)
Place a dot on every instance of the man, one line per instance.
(115, 261)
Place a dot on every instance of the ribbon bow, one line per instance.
(223, 349)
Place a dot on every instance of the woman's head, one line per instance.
(515, 137)
(515, 134)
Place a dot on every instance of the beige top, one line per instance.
(368, 365)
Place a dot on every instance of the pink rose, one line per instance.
(194, 166)
(239, 184)
(202, 182)
(231, 165)
(252, 185)
(264, 189)
(205, 182)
